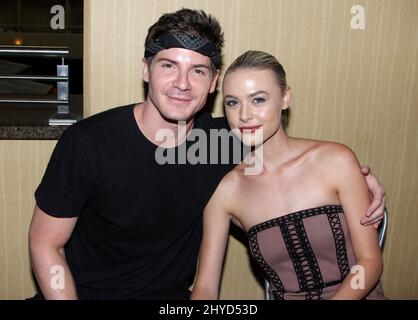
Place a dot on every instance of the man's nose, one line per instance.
(182, 81)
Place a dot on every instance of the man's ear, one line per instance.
(214, 81)
(287, 98)
(145, 70)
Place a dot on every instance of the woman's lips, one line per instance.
(247, 129)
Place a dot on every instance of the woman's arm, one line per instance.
(354, 196)
(216, 221)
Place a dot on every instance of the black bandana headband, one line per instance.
(186, 41)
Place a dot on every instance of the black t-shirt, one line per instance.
(139, 222)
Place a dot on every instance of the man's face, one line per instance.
(179, 82)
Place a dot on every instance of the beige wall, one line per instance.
(22, 164)
(356, 87)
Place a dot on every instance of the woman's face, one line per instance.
(253, 104)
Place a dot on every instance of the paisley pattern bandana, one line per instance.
(186, 41)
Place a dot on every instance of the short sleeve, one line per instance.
(67, 183)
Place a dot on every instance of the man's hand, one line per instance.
(375, 213)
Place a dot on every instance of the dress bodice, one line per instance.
(305, 254)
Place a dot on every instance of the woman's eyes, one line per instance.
(231, 103)
(259, 100)
(234, 103)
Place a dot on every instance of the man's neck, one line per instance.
(159, 130)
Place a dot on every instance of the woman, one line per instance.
(300, 212)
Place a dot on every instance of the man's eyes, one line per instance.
(200, 72)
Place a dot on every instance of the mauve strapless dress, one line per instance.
(305, 254)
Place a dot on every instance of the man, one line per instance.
(110, 219)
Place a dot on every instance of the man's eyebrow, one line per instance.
(201, 66)
(167, 60)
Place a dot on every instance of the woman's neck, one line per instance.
(277, 150)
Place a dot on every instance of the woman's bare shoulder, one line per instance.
(335, 152)
(233, 178)
(324, 150)
(332, 157)
(226, 190)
